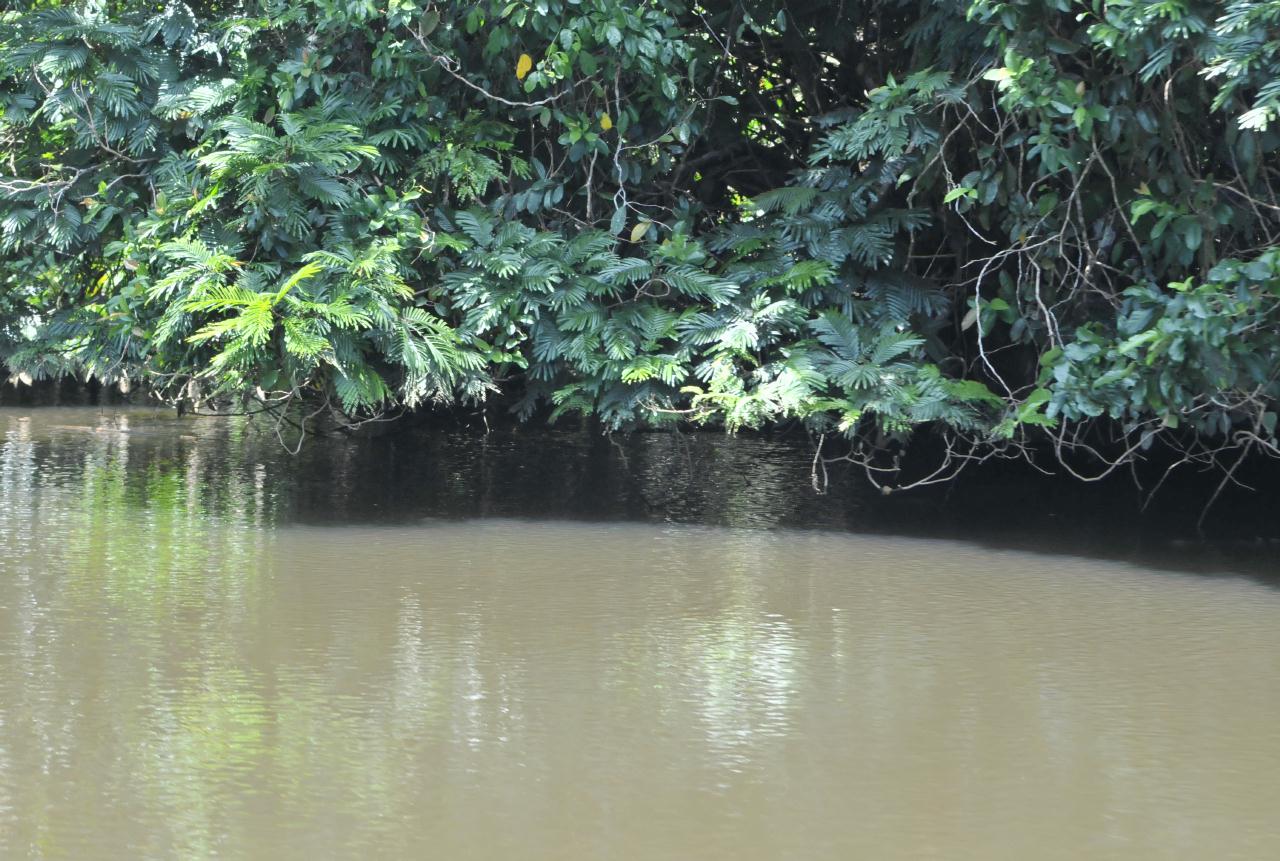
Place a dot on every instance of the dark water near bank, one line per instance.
(562, 646)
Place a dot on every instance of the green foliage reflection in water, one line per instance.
(172, 536)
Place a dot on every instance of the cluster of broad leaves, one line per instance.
(999, 218)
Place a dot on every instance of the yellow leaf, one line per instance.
(1143, 188)
(523, 66)
(638, 232)
(606, 122)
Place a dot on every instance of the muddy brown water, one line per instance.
(211, 650)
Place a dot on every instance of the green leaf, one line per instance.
(304, 273)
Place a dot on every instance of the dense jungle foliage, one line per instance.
(1032, 225)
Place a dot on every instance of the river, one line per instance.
(548, 647)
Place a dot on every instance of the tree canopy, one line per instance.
(1032, 222)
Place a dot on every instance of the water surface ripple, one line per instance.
(196, 663)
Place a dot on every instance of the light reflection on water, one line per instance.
(189, 671)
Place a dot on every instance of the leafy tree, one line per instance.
(1023, 224)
